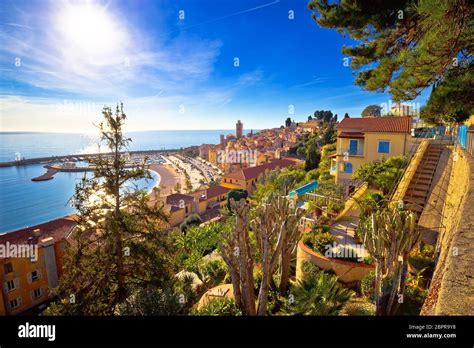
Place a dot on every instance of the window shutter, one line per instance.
(348, 167)
(5, 286)
(39, 273)
(16, 281)
(32, 294)
(20, 301)
(28, 275)
(8, 305)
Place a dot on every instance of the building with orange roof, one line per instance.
(362, 140)
(31, 264)
(246, 178)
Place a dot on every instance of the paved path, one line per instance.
(344, 229)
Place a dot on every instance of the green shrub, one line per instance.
(218, 307)
(418, 262)
(257, 277)
(412, 301)
(358, 308)
(317, 228)
(308, 239)
(322, 240)
(367, 285)
(237, 195)
(348, 254)
(319, 241)
(428, 250)
(369, 260)
(212, 272)
(193, 219)
(317, 293)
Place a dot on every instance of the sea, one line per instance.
(25, 203)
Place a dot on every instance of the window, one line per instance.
(15, 303)
(8, 268)
(36, 293)
(353, 146)
(34, 276)
(384, 146)
(11, 285)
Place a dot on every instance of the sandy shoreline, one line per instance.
(168, 178)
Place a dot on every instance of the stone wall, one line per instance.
(348, 272)
(452, 287)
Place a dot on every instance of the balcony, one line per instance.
(351, 152)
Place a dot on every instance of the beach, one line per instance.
(168, 178)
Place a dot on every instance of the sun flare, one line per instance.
(89, 29)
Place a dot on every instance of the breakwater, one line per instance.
(84, 157)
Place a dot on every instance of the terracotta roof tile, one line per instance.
(215, 191)
(175, 198)
(253, 172)
(392, 124)
(57, 229)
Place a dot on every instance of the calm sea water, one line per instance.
(26, 203)
(31, 145)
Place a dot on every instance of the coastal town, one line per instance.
(195, 184)
(283, 162)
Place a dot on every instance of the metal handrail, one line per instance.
(410, 156)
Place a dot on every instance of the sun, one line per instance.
(88, 28)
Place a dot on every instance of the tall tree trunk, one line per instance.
(285, 271)
(403, 279)
(378, 289)
(121, 287)
(246, 263)
(265, 285)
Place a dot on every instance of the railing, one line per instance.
(409, 172)
(421, 137)
(351, 152)
(462, 136)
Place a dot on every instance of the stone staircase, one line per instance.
(418, 190)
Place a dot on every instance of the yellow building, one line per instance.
(178, 206)
(362, 140)
(210, 198)
(31, 264)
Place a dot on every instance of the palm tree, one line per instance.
(318, 293)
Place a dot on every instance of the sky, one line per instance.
(174, 64)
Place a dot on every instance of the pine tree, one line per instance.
(118, 246)
(405, 46)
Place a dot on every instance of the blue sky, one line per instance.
(60, 62)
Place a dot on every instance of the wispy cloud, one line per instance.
(40, 55)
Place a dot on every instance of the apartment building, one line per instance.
(31, 264)
(362, 140)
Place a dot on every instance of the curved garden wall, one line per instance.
(347, 271)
